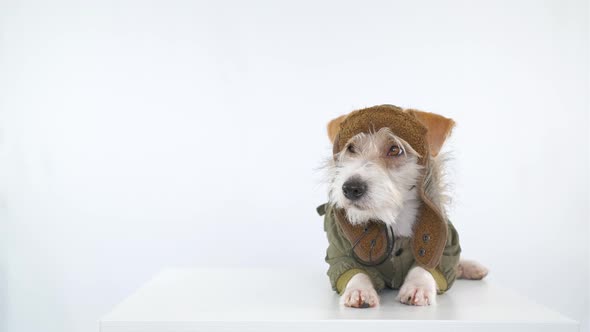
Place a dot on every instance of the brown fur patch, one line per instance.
(439, 128)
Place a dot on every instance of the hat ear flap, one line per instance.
(439, 129)
(334, 127)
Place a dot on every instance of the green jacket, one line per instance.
(392, 272)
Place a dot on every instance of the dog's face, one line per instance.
(374, 177)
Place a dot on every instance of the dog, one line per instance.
(377, 176)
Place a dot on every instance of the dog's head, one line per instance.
(375, 174)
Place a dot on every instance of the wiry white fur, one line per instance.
(392, 194)
(392, 197)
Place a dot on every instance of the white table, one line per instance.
(302, 300)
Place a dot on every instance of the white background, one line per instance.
(146, 134)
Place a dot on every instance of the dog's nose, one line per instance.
(354, 189)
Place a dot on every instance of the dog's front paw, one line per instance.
(360, 298)
(360, 293)
(419, 288)
(416, 295)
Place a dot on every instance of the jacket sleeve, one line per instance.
(446, 271)
(342, 265)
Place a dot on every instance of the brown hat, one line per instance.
(426, 133)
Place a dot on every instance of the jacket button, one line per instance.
(422, 252)
(425, 238)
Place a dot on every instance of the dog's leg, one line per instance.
(359, 292)
(471, 270)
(419, 288)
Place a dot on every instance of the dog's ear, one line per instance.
(334, 127)
(439, 128)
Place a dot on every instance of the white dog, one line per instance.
(376, 177)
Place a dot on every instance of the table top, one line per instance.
(268, 299)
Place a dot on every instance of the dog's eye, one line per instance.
(350, 148)
(394, 151)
